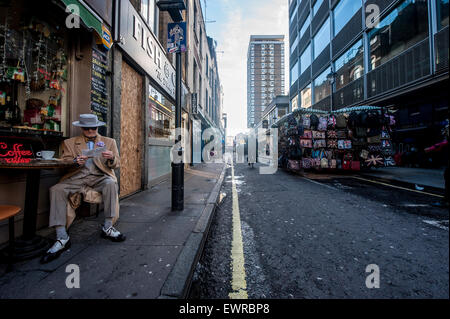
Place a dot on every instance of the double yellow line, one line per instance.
(238, 281)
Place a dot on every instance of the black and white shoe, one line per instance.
(112, 234)
(56, 250)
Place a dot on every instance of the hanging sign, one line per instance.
(176, 37)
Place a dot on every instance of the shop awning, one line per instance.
(89, 18)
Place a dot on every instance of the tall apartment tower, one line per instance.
(265, 74)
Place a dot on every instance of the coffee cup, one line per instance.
(47, 155)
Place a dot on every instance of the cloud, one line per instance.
(255, 17)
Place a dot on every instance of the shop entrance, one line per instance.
(131, 139)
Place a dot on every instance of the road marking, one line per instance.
(238, 282)
(399, 187)
(314, 182)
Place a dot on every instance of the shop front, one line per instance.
(46, 69)
(147, 90)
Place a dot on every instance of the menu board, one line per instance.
(99, 94)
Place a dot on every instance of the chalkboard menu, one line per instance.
(99, 95)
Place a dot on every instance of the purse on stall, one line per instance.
(364, 154)
(356, 165)
(324, 163)
(331, 121)
(306, 121)
(359, 141)
(306, 163)
(374, 160)
(341, 121)
(332, 163)
(306, 143)
(374, 139)
(307, 134)
(341, 144)
(389, 161)
(293, 165)
(318, 135)
(347, 144)
(347, 161)
(341, 134)
(320, 144)
(323, 123)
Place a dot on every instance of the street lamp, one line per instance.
(174, 8)
(331, 78)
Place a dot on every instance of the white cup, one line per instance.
(47, 155)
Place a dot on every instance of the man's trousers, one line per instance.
(59, 193)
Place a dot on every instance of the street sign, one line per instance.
(176, 40)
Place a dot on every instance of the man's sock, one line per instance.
(61, 232)
(108, 223)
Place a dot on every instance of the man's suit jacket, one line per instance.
(72, 147)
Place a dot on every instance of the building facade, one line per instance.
(265, 74)
(391, 53)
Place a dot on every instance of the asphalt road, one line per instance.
(314, 237)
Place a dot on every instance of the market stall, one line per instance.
(348, 139)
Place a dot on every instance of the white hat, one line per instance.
(88, 120)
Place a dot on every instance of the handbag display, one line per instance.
(332, 163)
(341, 121)
(347, 161)
(331, 121)
(364, 154)
(374, 160)
(306, 121)
(389, 161)
(294, 165)
(359, 141)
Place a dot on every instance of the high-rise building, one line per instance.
(265, 74)
(391, 53)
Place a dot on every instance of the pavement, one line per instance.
(156, 261)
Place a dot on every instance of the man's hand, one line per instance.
(81, 160)
(108, 155)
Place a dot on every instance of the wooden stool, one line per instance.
(8, 212)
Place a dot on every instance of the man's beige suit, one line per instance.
(80, 181)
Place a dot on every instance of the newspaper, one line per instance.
(94, 153)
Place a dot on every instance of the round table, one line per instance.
(29, 245)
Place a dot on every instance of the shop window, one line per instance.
(402, 28)
(350, 65)
(33, 72)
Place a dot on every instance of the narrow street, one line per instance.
(314, 237)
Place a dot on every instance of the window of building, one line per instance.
(317, 5)
(350, 65)
(305, 97)
(271, 52)
(294, 73)
(305, 59)
(343, 12)
(263, 52)
(294, 45)
(305, 26)
(442, 13)
(402, 28)
(322, 87)
(263, 65)
(272, 59)
(271, 65)
(294, 14)
(322, 38)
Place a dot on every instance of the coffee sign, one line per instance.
(15, 153)
(139, 42)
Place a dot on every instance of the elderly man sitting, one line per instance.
(94, 172)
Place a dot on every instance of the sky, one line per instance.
(235, 21)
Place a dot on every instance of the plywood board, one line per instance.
(131, 139)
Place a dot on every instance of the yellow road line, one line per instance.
(238, 282)
(399, 187)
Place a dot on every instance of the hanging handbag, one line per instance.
(364, 154)
(359, 141)
(374, 139)
(332, 144)
(293, 165)
(341, 121)
(318, 135)
(374, 160)
(323, 124)
(306, 121)
(341, 144)
(306, 163)
(356, 165)
(347, 162)
(324, 163)
(347, 144)
(333, 163)
(341, 134)
(331, 121)
(389, 161)
(332, 134)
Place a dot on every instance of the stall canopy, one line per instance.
(89, 18)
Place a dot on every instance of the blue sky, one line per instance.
(235, 22)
